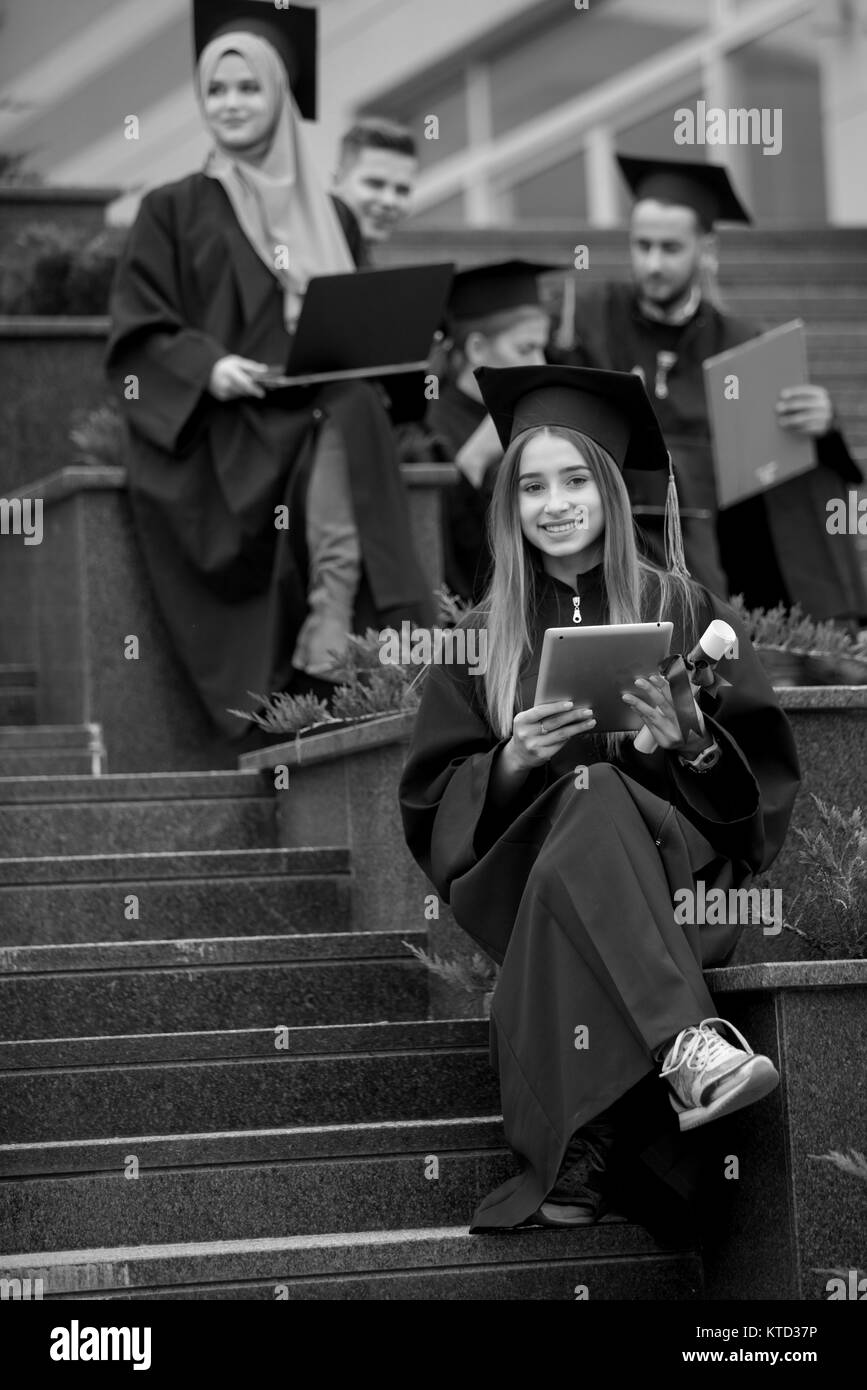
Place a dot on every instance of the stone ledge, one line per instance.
(312, 1042)
(433, 1247)
(304, 752)
(202, 953)
(172, 866)
(55, 326)
(119, 788)
(74, 478)
(325, 747)
(58, 193)
(817, 697)
(286, 1145)
(776, 975)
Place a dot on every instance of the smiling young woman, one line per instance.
(602, 1029)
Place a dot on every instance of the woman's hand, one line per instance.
(540, 732)
(656, 708)
(236, 376)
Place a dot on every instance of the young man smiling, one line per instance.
(773, 548)
(376, 176)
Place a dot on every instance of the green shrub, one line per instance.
(793, 631)
(830, 912)
(98, 435)
(53, 270)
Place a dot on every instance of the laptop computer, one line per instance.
(366, 323)
(751, 451)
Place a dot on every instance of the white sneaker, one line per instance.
(709, 1077)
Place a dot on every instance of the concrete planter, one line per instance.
(785, 1215)
(50, 367)
(341, 790)
(830, 728)
(784, 668)
(78, 209)
(67, 605)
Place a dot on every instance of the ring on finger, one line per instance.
(542, 727)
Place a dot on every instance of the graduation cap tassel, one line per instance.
(674, 557)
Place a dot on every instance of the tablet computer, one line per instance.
(596, 666)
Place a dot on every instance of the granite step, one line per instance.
(105, 989)
(613, 1260)
(99, 1088)
(86, 898)
(51, 750)
(249, 1185)
(152, 812)
(17, 696)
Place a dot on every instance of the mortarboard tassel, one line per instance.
(674, 556)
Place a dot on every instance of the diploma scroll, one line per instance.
(697, 669)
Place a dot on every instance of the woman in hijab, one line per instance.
(559, 849)
(273, 521)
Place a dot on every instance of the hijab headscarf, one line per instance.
(278, 203)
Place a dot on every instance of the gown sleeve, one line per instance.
(149, 337)
(449, 820)
(744, 804)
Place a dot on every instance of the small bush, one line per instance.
(98, 435)
(830, 912)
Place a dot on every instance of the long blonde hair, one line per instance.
(631, 583)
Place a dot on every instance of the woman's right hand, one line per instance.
(236, 376)
(540, 732)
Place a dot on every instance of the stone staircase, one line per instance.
(213, 1084)
(222, 1075)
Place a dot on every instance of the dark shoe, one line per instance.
(579, 1195)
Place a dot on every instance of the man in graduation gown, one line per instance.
(773, 548)
(570, 888)
(219, 486)
(495, 319)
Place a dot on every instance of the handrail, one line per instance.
(540, 142)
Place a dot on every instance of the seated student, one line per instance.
(568, 881)
(273, 523)
(375, 177)
(495, 319)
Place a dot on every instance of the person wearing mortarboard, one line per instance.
(569, 889)
(273, 522)
(495, 318)
(773, 548)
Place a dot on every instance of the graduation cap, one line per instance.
(611, 408)
(706, 188)
(292, 32)
(495, 288)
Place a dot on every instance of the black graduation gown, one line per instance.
(206, 476)
(453, 417)
(571, 890)
(773, 548)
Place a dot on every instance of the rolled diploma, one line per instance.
(717, 639)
